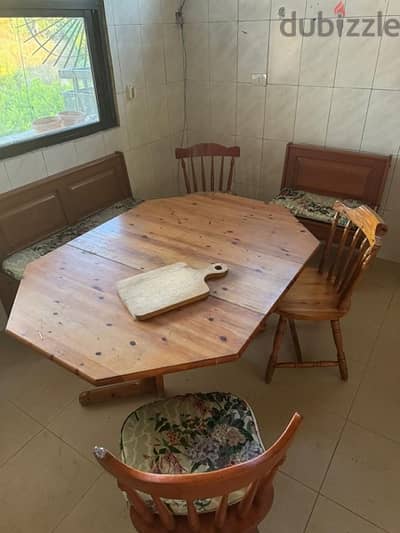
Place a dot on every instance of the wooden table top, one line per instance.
(67, 306)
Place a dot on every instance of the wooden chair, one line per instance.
(216, 182)
(324, 293)
(154, 498)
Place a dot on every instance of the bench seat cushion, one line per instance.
(15, 264)
(191, 434)
(312, 206)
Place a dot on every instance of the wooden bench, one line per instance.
(315, 177)
(39, 217)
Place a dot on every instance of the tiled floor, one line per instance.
(342, 474)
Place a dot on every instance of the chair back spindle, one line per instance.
(221, 181)
(360, 242)
(255, 475)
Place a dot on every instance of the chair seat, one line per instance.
(311, 297)
(312, 206)
(15, 265)
(191, 434)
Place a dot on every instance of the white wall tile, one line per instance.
(254, 9)
(347, 118)
(196, 11)
(253, 49)
(223, 108)
(387, 74)
(115, 59)
(280, 112)
(150, 11)
(5, 184)
(289, 6)
(318, 59)
(327, 7)
(175, 95)
(89, 148)
(165, 168)
(284, 57)
(391, 248)
(60, 157)
(383, 123)
(223, 51)
(365, 8)
(312, 114)
(157, 112)
(126, 11)
(250, 110)
(223, 10)
(393, 7)
(196, 38)
(168, 10)
(130, 55)
(198, 106)
(114, 141)
(273, 159)
(173, 52)
(137, 119)
(26, 168)
(153, 54)
(247, 175)
(139, 163)
(357, 61)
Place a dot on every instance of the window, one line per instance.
(55, 73)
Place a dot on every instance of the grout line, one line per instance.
(77, 503)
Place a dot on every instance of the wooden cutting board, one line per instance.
(161, 290)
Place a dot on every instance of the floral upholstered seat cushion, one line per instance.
(312, 206)
(15, 265)
(191, 434)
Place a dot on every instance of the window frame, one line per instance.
(92, 11)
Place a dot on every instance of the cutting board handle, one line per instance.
(216, 270)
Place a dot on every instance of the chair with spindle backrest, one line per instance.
(324, 293)
(221, 174)
(209, 498)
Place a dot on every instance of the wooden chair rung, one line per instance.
(307, 364)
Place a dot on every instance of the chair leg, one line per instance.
(280, 330)
(295, 337)
(337, 335)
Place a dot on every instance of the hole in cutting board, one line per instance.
(218, 267)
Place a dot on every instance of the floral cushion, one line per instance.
(15, 265)
(312, 206)
(191, 434)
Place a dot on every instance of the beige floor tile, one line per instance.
(41, 485)
(16, 430)
(291, 508)
(96, 425)
(13, 354)
(328, 517)
(315, 442)
(102, 510)
(41, 388)
(365, 477)
(377, 405)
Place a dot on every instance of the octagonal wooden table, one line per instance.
(68, 308)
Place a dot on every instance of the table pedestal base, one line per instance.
(122, 390)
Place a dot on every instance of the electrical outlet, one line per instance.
(130, 91)
(259, 79)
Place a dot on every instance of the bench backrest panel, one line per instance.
(35, 211)
(340, 173)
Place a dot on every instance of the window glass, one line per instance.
(46, 77)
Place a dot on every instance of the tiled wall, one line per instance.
(146, 51)
(323, 90)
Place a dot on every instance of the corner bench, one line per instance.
(42, 216)
(315, 177)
